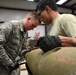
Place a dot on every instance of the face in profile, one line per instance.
(31, 24)
(45, 15)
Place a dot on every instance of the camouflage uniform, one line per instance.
(12, 35)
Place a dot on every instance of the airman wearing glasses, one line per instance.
(61, 24)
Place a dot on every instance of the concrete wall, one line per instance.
(6, 14)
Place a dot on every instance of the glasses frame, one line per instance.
(39, 14)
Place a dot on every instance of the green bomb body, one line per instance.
(59, 61)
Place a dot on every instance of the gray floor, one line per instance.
(24, 72)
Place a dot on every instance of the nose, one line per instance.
(32, 28)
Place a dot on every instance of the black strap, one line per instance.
(28, 69)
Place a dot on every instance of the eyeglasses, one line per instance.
(39, 14)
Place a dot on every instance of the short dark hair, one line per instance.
(41, 5)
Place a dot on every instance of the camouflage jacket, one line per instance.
(12, 36)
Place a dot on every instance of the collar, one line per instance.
(22, 29)
(55, 19)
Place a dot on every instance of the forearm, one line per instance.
(68, 41)
(72, 41)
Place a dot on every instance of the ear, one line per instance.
(28, 18)
(48, 9)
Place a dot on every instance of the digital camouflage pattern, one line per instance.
(11, 44)
(59, 61)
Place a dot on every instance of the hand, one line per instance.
(23, 53)
(67, 41)
(35, 47)
(47, 43)
(13, 66)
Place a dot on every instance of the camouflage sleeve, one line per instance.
(4, 58)
(28, 44)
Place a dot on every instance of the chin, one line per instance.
(47, 23)
(30, 29)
